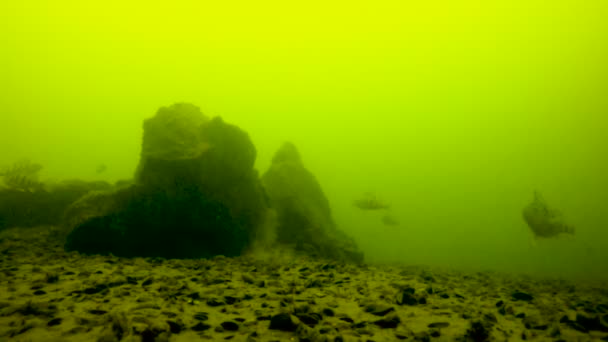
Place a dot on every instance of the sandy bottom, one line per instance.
(47, 294)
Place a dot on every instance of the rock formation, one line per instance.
(195, 194)
(304, 215)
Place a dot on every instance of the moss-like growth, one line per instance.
(22, 176)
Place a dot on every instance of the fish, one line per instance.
(369, 201)
(543, 221)
(389, 220)
(101, 168)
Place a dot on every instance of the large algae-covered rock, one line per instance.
(304, 213)
(174, 133)
(156, 223)
(196, 193)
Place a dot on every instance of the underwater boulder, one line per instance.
(303, 211)
(195, 194)
(146, 222)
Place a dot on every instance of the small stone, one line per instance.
(502, 310)
(407, 298)
(478, 332)
(359, 325)
(389, 321)
(201, 327)
(248, 279)
(54, 322)
(591, 323)
(439, 325)
(194, 296)
(230, 300)
(201, 316)
(174, 327)
(52, 278)
(409, 290)
(490, 317)
(346, 319)
(96, 289)
(422, 336)
(535, 323)
(329, 312)
(378, 309)
(215, 302)
(230, 326)
(283, 322)
(97, 312)
(310, 319)
(314, 283)
(518, 295)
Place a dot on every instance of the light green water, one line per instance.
(452, 111)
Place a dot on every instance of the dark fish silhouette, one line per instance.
(101, 168)
(369, 201)
(389, 220)
(544, 221)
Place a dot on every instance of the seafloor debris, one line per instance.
(369, 201)
(22, 176)
(545, 222)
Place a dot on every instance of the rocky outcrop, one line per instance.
(304, 215)
(196, 193)
(44, 205)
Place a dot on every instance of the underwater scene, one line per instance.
(317, 171)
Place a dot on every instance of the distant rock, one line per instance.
(304, 215)
(45, 205)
